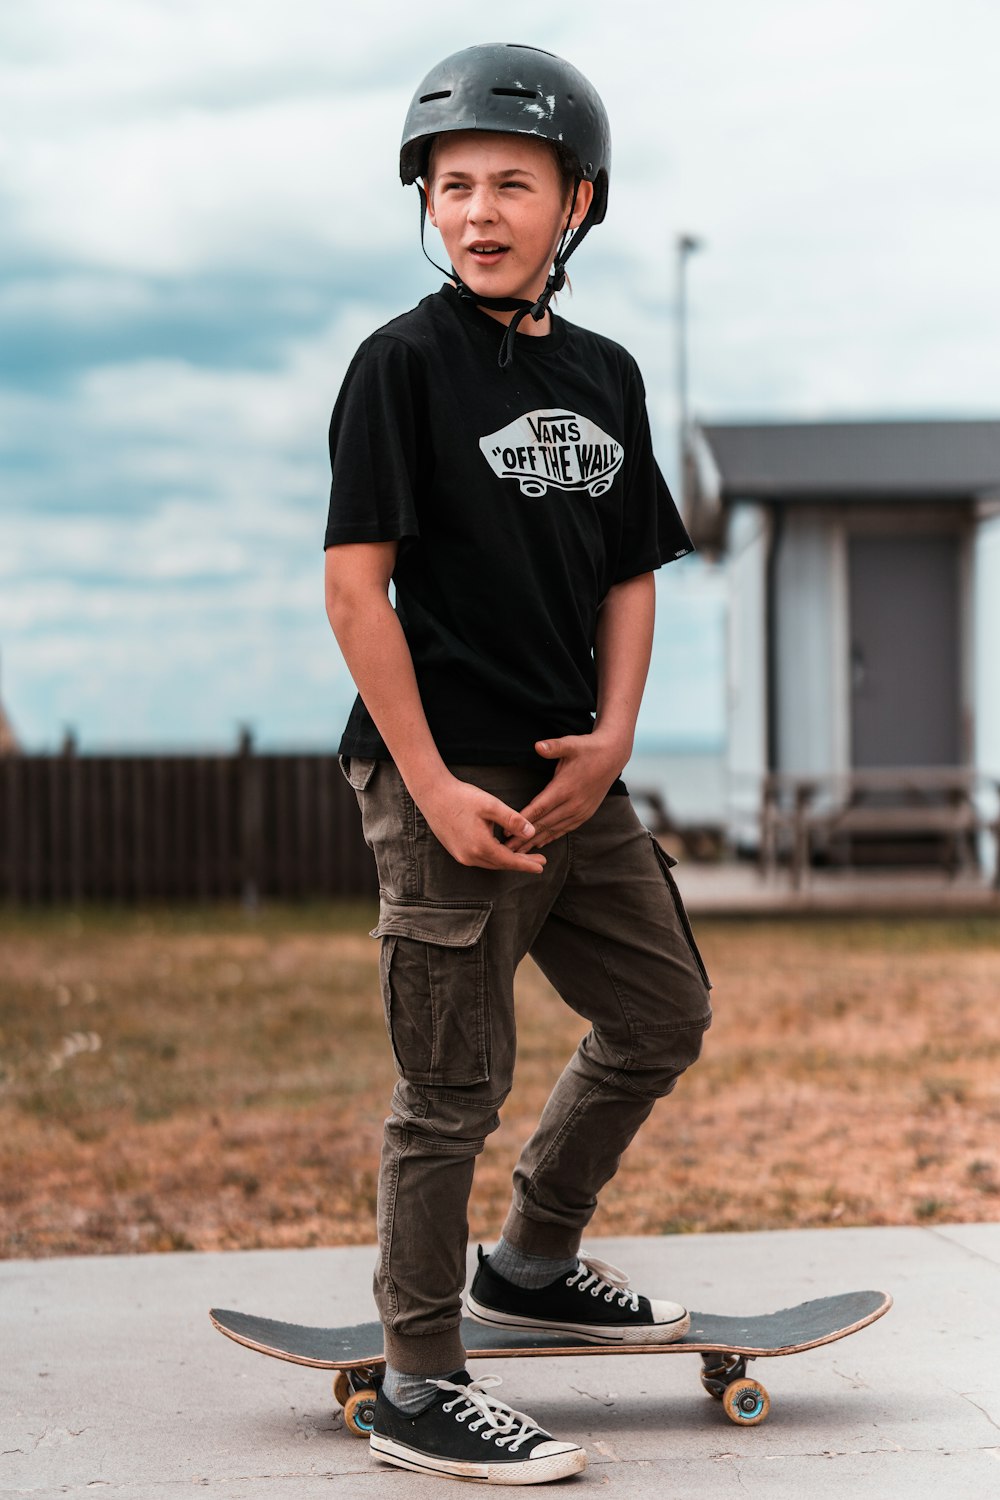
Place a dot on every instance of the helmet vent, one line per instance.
(441, 94)
(516, 93)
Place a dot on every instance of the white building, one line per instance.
(863, 563)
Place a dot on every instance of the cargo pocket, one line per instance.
(666, 863)
(358, 769)
(432, 968)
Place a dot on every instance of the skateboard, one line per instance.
(726, 1345)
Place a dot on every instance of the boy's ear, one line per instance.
(429, 195)
(584, 198)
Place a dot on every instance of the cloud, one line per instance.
(202, 219)
(127, 434)
(198, 190)
(161, 566)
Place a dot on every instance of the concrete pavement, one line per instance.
(114, 1383)
(734, 889)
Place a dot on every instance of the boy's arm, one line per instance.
(588, 764)
(460, 815)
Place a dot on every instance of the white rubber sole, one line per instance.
(653, 1333)
(567, 1460)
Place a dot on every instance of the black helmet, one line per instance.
(514, 90)
(517, 90)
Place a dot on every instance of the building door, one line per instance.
(905, 650)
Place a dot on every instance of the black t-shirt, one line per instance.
(518, 497)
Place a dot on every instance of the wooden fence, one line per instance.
(128, 828)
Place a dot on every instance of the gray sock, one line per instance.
(410, 1393)
(528, 1271)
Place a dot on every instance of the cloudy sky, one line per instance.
(200, 219)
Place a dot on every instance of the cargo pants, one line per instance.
(606, 926)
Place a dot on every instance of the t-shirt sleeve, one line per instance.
(652, 530)
(375, 446)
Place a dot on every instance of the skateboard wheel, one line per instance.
(746, 1403)
(359, 1413)
(341, 1388)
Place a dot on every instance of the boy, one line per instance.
(494, 463)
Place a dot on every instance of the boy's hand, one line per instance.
(588, 764)
(464, 819)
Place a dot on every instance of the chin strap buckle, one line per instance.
(535, 310)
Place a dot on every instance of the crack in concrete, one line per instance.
(601, 1400)
(854, 1381)
(734, 1461)
(942, 1234)
(964, 1396)
(55, 1432)
(897, 1448)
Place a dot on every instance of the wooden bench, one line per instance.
(802, 814)
(700, 841)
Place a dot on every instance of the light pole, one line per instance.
(686, 245)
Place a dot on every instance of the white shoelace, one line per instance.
(497, 1420)
(596, 1276)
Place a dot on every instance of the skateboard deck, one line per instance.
(724, 1343)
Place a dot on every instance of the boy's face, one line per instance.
(500, 205)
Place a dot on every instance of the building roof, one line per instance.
(779, 460)
(843, 461)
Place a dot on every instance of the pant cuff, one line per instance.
(428, 1354)
(540, 1237)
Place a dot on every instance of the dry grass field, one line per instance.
(206, 1080)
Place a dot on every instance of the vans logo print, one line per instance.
(556, 448)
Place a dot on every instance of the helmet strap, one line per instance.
(521, 309)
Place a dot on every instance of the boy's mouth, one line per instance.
(487, 250)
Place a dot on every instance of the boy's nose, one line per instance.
(483, 206)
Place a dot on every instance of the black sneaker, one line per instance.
(467, 1434)
(594, 1301)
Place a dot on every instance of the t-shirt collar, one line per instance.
(527, 343)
